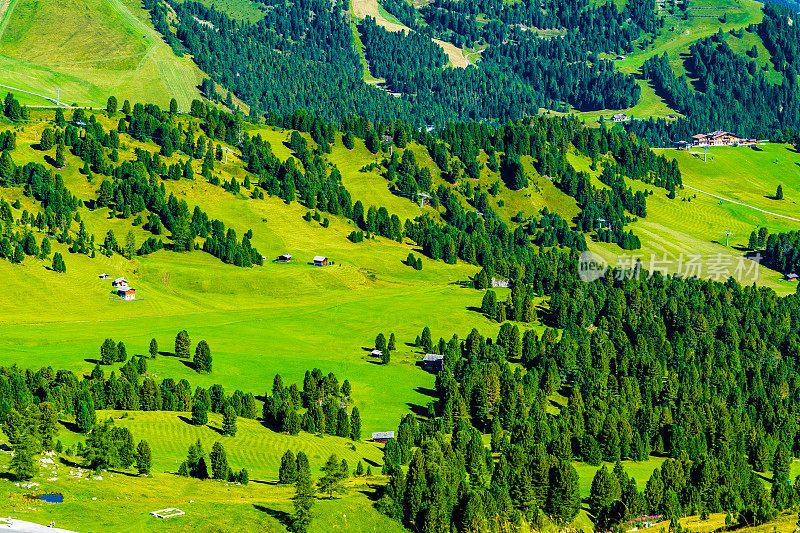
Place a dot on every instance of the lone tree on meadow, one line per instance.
(153, 348)
(144, 459)
(331, 481)
(229, 421)
(779, 193)
(183, 344)
(202, 358)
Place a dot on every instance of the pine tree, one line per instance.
(144, 458)
(380, 342)
(83, 419)
(183, 344)
(780, 464)
(47, 140)
(386, 356)
(199, 413)
(391, 345)
(219, 462)
(23, 464)
(779, 193)
(229, 421)
(153, 348)
(355, 424)
(111, 105)
(752, 243)
(359, 469)
(563, 498)
(331, 479)
(427, 343)
(108, 352)
(605, 491)
(303, 498)
(202, 357)
(287, 473)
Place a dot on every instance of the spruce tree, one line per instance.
(144, 458)
(219, 462)
(780, 464)
(330, 481)
(563, 498)
(355, 424)
(202, 357)
(303, 499)
(153, 348)
(604, 492)
(182, 344)
(427, 343)
(108, 352)
(23, 465)
(83, 419)
(287, 473)
(391, 345)
(199, 413)
(229, 421)
(779, 193)
(380, 342)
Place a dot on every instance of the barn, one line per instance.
(433, 362)
(320, 261)
(382, 436)
(126, 293)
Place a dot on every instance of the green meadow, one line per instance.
(103, 47)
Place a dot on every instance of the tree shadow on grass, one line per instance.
(373, 494)
(426, 391)
(189, 364)
(370, 462)
(418, 410)
(92, 361)
(69, 426)
(281, 516)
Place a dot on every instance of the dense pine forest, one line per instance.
(703, 373)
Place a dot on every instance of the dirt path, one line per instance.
(741, 203)
(362, 8)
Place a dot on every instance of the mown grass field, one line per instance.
(103, 47)
(279, 318)
(122, 501)
(692, 224)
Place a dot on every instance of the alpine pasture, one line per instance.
(103, 47)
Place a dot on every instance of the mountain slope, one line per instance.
(102, 47)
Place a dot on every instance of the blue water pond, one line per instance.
(52, 498)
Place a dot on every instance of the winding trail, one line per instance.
(740, 203)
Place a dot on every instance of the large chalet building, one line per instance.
(720, 138)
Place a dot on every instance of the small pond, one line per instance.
(52, 498)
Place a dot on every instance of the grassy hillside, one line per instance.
(103, 47)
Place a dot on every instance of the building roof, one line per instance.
(120, 280)
(286, 256)
(319, 258)
(125, 288)
(383, 435)
(429, 357)
(792, 275)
